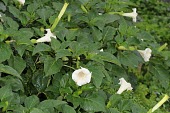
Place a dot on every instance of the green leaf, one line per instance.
(36, 110)
(113, 110)
(14, 11)
(55, 44)
(9, 70)
(12, 24)
(97, 35)
(46, 104)
(23, 36)
(162, 75)
(39, 81)
(62, 53)
(5, 52)
(105, 56)
(97, 75)
(93, 103)
(128, 58)
(31, 101)
(45, 13)
(123, 26)
(68, 109)
(41, 47)
(52, 66)
(17, 63)
(32, 7)
(5, 92)
(108, 33)
(2, 7)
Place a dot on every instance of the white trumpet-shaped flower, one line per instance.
(146, 54)
(124, 86)
(133, 14)
(21, 1)
(81, 76)
(46, 37)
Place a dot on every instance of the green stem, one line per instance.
(69, 67)
(59, 16)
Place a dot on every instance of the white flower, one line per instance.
(124, 86)
(21, 1)
(101, 50)
(1, 18)
(133, 14)
(47, 37)
(146, 54)
(81, 76)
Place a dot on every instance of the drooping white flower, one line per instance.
(146, 54)
(21, 1)
(133, 14)
(47, 36)
(81, 76)
(124, 86)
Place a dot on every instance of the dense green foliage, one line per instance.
(37, 77)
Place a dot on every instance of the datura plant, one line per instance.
(80, 56)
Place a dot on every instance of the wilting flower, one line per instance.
(146, 54)
(47, 37)
(124, 86)
(133, 14)
(81, 76)
(21, 1)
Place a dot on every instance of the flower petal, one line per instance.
(81, 76)
(124, 86)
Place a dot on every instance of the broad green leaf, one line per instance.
(41, 47)
(12, 24)
(68, 109)
(97, 75)
(2, 7)
(21, 49)
(39, 81)
(52, 66)
(137, 108)
(62, 53)
(5, 92)
(114, 110)
(14, 11)
(105, 56)
(17, 63)
(108, 33)
(162, 75)
(46, 104)
(124, 105)
(31, 101)
(97, 35)
(123, 26)
(32, 7)
(128, 58)
(9, 70)
(14, 82)
(55, 44)
(23, 36)
(93, 103)
(45, 13)
(5, 52)
(36, 110)
(145, 36)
